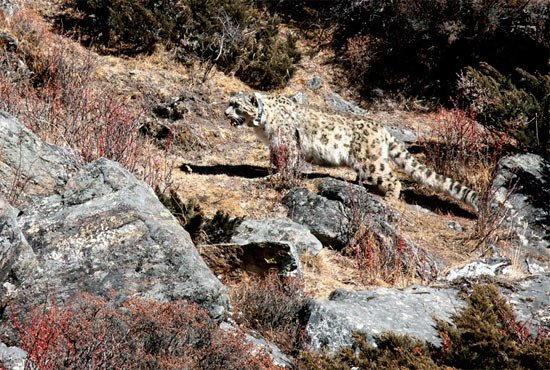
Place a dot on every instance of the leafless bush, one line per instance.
(381, 254)
(272, 305)
(60, 98)
(460, 148)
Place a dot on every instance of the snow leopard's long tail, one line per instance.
(425, 176)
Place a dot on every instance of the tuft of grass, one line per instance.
(203, 230)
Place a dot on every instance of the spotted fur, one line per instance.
(332, 139)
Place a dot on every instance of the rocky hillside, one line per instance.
(139, 229)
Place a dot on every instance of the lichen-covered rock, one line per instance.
(530, 299)
(90, 228)
(12, 358)
(323, 217)
(107, 231)
(16, 256)
(12, 240)
(373, 312)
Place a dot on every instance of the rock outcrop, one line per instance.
(12, 358)
(16, 256)
(96, 229)
(522, 200)
(28, 165)
(531, 301)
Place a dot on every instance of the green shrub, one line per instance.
(392, 352)
(272, 64)
(518, 104)
(418, 46)
(124, 26)
(486, 335)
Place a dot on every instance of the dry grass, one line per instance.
(330, 270)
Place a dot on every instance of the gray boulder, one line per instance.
(522, 184)
(28, 165)
(322, 216)
(278, 229)
(341, 209)
(12, 358)
(17, 259)
(315, 83)
(94, 229)
(409, 311)
(10, 7)
(339, 104)
(108, 231)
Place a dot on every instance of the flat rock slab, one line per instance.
(278, 230)
(407, 311)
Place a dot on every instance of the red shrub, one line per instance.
(88, 333)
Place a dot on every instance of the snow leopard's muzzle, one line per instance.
(235, 118)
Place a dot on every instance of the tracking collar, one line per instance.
(259, 117)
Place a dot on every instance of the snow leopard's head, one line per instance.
(245, 108)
